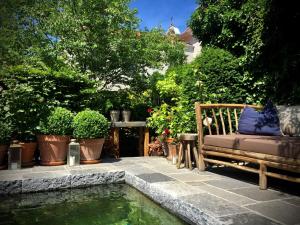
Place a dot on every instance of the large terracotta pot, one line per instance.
(90, 150)
(28, 150)
(53, 149)
(3, 152)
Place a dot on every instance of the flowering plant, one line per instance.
(165, 134)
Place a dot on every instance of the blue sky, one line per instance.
(154, 13)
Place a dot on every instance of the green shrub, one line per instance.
(90, 124)
(59, 122)
(5, 132)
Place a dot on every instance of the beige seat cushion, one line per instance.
(283, 146)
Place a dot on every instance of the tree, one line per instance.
(96, 37)
(261, 34)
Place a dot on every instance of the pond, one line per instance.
(117, 204)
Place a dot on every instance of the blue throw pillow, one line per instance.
(260, 123)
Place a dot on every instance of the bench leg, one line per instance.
(196, 156)
(201, 162)
(262, 177)
(189, 160)
(180, 153)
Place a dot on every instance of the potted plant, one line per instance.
(90, 128)
(54, 139)
(126, 110)
(5, 133)
(114, 115)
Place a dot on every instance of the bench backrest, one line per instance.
(220, 119)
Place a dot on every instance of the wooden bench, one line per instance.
(223, 146)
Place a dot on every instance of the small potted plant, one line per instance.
(126, 112)
(55, 137)
(90, 128)
(5, 133)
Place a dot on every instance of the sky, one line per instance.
(154, 13)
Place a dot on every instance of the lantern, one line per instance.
(73, 158)
(14, 156)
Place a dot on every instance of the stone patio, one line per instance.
(218, 196)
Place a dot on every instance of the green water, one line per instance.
(105, 204)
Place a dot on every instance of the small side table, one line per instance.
(143, 136)
(186, 149)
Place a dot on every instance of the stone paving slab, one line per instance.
(229, 184)
(154, 177)
(294, 201)
(247, 219)
(191, 177)
(177, 189)
(281, 211)
(260, 195)
(227, 195)
(198, 197)
(214, 205)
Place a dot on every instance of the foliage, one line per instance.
(98, 38)
(59, 122)
(90, 124)
(261, 35)
(214, 77)
(224, 80)
(176, 119)
(30, 93)
(235, 26)
(5, 132)
(280, 56)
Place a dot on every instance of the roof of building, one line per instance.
(186, 36)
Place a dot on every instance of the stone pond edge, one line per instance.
(179, 207)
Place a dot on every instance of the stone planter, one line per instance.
(28, 150)
(3, 153)
(53, 149)
(126, 115)
(114, 115)
(90, 150)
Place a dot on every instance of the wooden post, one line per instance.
(146, 142)
(196, 156)
(180, 153)
(141, 141)
(189, 160)
(116, 141)
(200, 136)
(262, 176)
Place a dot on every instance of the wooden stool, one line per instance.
(187, 144)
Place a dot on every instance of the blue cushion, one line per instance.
(260, 123)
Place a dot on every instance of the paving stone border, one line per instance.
(47, 181)
(204, 198)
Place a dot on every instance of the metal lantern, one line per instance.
(14, 156)
(73, 158)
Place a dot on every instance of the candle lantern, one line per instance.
(73, 158)
(14, 156)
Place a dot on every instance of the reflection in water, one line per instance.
(104, 204)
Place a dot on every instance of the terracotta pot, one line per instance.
(3, 152)
(172, 151)
(169, 140)
(53, 149)
(90, 150)
(28, 150)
